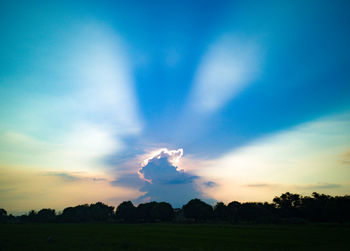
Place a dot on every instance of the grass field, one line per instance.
(172, 237)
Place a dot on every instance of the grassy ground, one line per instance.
(172, 237)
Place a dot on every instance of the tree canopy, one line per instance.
(288, 207)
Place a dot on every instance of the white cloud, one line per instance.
(79, 111)
(22, 189)
(173, 156)
(228, 66)
(305, 157)
(165, 181)
(78, 150)
(104, 78)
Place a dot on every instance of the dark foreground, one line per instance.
(172, 237)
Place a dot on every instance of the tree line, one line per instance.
(287, 208)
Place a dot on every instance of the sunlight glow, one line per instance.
(173, 157)
(302, 159)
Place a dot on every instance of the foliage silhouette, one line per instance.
(46, 215)
(3, 212)
(198, 210)
(221, 211)
(126, 211)
(101, 212)
(154, 211)
(3, 215)
(287, 208)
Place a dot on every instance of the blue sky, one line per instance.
(89, 88)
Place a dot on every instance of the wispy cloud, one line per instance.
(103, 70)
(22, 189)
(345, 157)
(64, 176)
(301, 159)
(128, 180)
(228, 66)
(76, 125)
(76, 107)
(263, 185)
(294, 187)
(320, 185)
(77, 150)
(210, 184)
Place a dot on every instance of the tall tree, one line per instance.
(198, 210)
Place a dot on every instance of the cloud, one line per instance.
(164, 181)
(82, 116)
(22, 189)
(103, 68)
(128, 180)
(263, 185)
(77, 176)
(345, 157)
(161, 168)
(210, 184)
(64, 176)
(99, 179)
(79, 149)
(321, 185)
(228, 66)
(302, 159)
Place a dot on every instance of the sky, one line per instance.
(172, 100)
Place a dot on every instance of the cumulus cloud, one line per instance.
(165, 181)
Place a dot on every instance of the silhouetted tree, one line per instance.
(254, 212)
(198, 210)
(221, 211)
(288, 204)
(289, 207)
(79, 213)
(154, 211)
(233, 210)
(341, 209)
(321, 207)
(3, 215)
(126, 211)
(165, 211)
(100, 211)
(3, 212)
(31, 216)
(46, 215)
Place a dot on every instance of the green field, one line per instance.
(173, 237)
